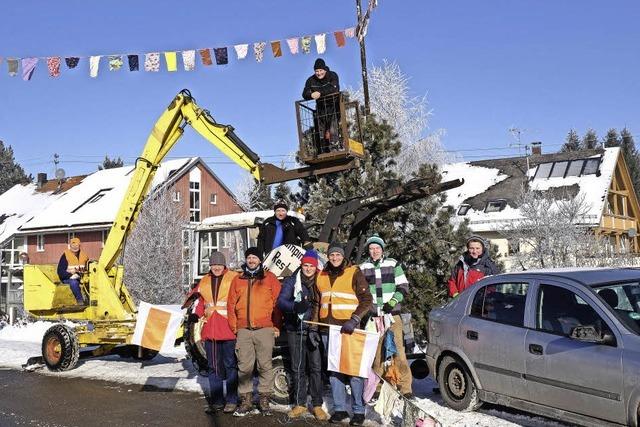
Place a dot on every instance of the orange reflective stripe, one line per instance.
(220, 305)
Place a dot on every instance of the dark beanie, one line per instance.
(217, 258)
(336, 247)
(319, 64)
(281, 204)
(253, 251)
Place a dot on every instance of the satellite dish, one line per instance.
(632, 232)
(60, 173)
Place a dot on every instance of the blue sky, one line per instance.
(542, 65)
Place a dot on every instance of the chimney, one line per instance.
(536, 148)
(42, 179)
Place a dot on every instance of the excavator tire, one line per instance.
(195, 350)
(60, 349)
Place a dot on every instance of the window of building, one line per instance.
(213, 199)
(40, 242)
(207, 244)
(10, 254)
(463, 209)
(194, 201)
(575, 167)
(105, 235)
(559, 168)
(503, 303)
(176, 196)
(591, 166)
(94, 198)
(543, 171)
(495, 205)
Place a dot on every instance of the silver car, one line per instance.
(559, 343)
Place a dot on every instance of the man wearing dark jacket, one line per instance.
(324, 87)
(298, 301)
(281, 229)
(472, 266)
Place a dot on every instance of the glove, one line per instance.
(313, 339)
(301, 306)
(349, 326)
(193, 318)
(389, 305)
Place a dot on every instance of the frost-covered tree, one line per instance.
(253, 196)
(282, 192)
(408, 115)
(109, 163)
(11, 173)
(153, 252)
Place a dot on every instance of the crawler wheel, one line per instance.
(60, 349)
(458, 390)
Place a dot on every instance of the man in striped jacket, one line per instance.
(389, 287)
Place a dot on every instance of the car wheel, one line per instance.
(281, 382)
(456, 385)
(60, 349)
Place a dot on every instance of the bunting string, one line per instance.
(26, 66)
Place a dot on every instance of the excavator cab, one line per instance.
(329, 130)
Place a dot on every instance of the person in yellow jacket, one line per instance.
(345, 299)
(219, 339)
(71, 265)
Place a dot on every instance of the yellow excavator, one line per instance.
(108, 320)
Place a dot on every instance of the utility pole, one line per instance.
(363, 63)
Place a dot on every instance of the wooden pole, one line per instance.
(363, 64)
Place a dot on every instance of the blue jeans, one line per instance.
(338, 388)
(223, 366)
(74, 284)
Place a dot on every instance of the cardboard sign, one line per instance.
(284, 260)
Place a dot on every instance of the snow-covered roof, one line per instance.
(96, 199)
(18, 205)
(244, 219)
(495, 179)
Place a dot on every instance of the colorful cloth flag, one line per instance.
(134, 62)
(189, 60)
(152, 62)
(241, 50)
(28, 67)
(115, 62)
(340, 39)
(350, 32)
(258, 50)
(71, 61)
(94, 65)
(12, 64)
(351, 354)
(293, 45)
(157, 326)
(222, 55)
(205, 56)
(53, 64)
(172, 61)
(306, 44)
(321, 43)
(276, 49)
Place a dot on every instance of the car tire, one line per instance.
(60, 349)
(195, 350)
(456, 385)
(281, 382)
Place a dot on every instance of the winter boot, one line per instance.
(230, 408)
(246, 405)
(296, 412)
(319, 413)
(265, 407)
(357, 420)
(212, 408)
(338, 417)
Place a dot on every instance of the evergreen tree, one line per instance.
(262, 200)
(572, 142)
(612, 139)
(631, 158)
(11, 173)
(590, 140)
(109, 163)
(282, 192)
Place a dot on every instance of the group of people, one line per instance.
(244, 312)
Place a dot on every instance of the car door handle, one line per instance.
(535, 349)
(472, 335)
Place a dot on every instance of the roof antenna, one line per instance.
(516, 132)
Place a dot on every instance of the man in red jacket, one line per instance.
(472, 266)
(219, 340)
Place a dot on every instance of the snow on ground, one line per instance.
(173, 371)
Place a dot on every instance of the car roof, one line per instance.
(582, 276)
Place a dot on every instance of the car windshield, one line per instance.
(624, 301)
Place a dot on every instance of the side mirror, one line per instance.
(591, 334)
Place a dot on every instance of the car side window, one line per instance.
(501, 302)
(560, 310)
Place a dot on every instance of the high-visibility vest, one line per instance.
(340, 297)
(75, 261)
(220, 305)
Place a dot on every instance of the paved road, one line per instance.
(29, 399)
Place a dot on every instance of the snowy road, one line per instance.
(173, 372)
